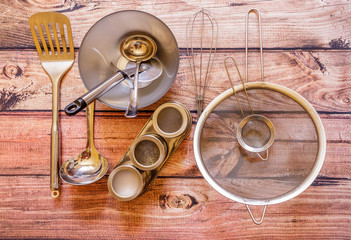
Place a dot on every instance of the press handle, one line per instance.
(132, 109)
(75, 107)
(253, 218)
(79, 104)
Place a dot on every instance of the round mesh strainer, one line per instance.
(295, 157)
(255, 133)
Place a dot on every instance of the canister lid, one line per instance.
(170, 120)
(125, 183)
(147, 152)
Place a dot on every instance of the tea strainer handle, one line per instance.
(253, 218)
(262, 158)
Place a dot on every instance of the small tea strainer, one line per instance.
(226, 142)
(255, 132)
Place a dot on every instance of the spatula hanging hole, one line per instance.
(55, 194)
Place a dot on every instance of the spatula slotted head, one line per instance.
(52, 36)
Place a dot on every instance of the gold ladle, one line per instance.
(136, 48)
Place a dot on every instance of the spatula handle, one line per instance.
(55, 143)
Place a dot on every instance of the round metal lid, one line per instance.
(295, 157)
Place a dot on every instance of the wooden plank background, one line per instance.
(307, 48)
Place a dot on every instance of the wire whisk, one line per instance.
(201, 37)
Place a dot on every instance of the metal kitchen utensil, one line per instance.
(154, 146)
(255, 132)
(88, 166)
(295, 158)
(53, 40)
(154, 71)
(149, 152)
(136, 48)
(80, 103)
(200, 71)
(97, 52)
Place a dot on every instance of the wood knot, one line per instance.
(9, 98)
(306, 59)
(339, 43)
(346, 100)
(12, 71)
(184, 201)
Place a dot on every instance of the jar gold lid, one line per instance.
(125, 183)
(170, 120)
(148, 152)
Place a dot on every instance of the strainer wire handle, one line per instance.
(253, 218)
(262, 158)
(254, 10)
(232, 85)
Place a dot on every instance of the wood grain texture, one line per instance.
(171, 209)
(322, 77)
(286, 24)
(307, 49)
(26, 135)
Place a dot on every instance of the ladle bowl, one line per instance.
(136, 48)
(88, 166)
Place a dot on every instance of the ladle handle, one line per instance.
(132, 109)
(80, 103)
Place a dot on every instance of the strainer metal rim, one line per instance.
(288, 195)
(241, 139)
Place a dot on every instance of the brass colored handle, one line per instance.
(55, 142)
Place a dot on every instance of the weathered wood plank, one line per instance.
(172, 208)
(25, 142)
(179, 204)
(322, 77)
(309, 24)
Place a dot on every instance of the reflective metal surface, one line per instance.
(56, 60)
(136, 48)
(202, 38)
(255, 132)
(80, 103)
(88, 166)
(172, 142)
(154, 71)
(295, 159)
(100, 46)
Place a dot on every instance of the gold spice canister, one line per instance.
(154, 145)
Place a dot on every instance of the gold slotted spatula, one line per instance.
(52, 36)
